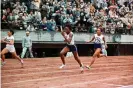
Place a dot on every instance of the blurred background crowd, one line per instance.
(113, 16)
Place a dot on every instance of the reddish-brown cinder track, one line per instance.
(110, 72)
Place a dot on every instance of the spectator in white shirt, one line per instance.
(100, 3)
(16, 10)
(123, 10)
(67, 19)
(38, 16)
(25, 20)
(31, 16)
(24, 7)
(37, 4)
(17, 5)
(112, 13)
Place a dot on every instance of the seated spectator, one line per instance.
(67, 19)
(17, 5)
(121, 2)
(16, 17)
(23, 8)
(71, 17)
(4, 18)
(69, 10)
(25, 20)
(105, 5)
(62, 3)
(100, 3)
(97, 13)
(128, 15)
(112, 13)
(92, 9)
(44, 24)
(77, 12)
(50, 13)
(31, 16)
(51, 3)
(57, 7)
(82, 17)
(74, 7)
(128, 21)
(51, 25)
(16, 10)
(10, 18)
(38, 16)
(8, 10)
(5, 13)
(36, 4)
(62, 10)
(126, 18)
(128, 27)
(123, 10)
(87, 9)
(44, 10)
(82, 4)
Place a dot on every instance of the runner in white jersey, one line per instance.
(70, 47)
(9, 40)
(98, 40)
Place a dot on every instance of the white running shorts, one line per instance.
(10, 48)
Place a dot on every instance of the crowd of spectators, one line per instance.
(113, 16)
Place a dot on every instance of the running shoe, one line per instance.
(62, 66)
(22, 63)
(88, 67)
(3, 63)
(82, 69)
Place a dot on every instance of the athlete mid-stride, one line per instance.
(99, 42)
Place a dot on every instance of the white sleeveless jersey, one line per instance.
(72, 41)
(98, 39)
(8, 39)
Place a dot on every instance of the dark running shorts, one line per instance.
(72, 48)
(97, 46)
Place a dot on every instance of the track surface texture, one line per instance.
(110, 72)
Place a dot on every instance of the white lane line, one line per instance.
(129, 86)
(89, 82)
(112, 84)
(96, 65)
(71, 61)
(61, 70)
(32, 80)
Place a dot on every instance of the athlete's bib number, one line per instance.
(97, 40)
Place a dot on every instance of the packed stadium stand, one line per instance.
(113, 16)
(46, 18)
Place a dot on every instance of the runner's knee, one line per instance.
(61, 53)
(94, 55)
(76, 57)
(2, 54)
